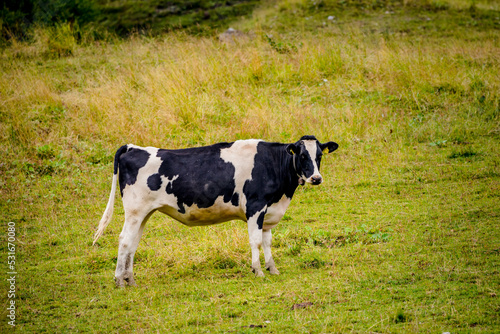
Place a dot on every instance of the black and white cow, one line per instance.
(250, 180)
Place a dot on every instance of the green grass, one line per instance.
(198, 16)
(100, 18)
(401, 237)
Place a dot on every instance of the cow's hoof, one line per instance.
(120, 283)
(272, 267)
(259, 274)
(130, 281)
(273, 271)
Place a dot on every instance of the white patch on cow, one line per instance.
(312, 149)
(165, 180)
(242, 156)
(275, 212)
(255, 238)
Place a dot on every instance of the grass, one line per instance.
(198, 16)
(401, 237)
(100, 18)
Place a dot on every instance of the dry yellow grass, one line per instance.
(182, 90)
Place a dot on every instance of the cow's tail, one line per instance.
(108, 213)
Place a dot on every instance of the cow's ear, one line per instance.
(329, 147)
(291, 149)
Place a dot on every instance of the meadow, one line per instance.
(402, 236)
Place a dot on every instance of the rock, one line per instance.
(231, 36)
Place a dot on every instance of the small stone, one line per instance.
(231, 35)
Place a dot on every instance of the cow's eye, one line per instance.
(303, 156)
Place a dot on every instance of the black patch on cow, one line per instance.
(129, 164)
(202, 175)
(128, 260)
(154, 182)
(169, 189)
(331, 146)
(181, 207)
(302, 161)
(260, 220)
(308, 137)
(272, 177)
(118, 154)
(235, 199)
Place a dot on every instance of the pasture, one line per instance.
(402, 236)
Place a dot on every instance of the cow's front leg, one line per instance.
(266, 245)
(255, 235)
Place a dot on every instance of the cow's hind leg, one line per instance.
(266, 245)
(129, 240)
(255, 235)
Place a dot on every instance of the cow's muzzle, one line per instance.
(316, 179)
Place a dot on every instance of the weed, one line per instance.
(281, 47)
(463, 153)
(98, 154)
(223, 263)
(46, 167)
(362, 234)
(438, 143)
(401, 317)
(312, 261)
(45, 152)
(417, 120)
(60, 40)
(294, 249)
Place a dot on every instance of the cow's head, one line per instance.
(306, 155)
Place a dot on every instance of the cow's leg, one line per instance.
(266, 245)
(255, 234)
(129, 240)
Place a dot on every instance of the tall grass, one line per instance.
(182, 90)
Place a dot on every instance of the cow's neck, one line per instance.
(289, 176)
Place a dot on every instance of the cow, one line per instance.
(250, 180)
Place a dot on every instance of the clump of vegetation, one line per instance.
(401, 317)
(462, 153)
(281, 47)
(71, 21)
(312, 261)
